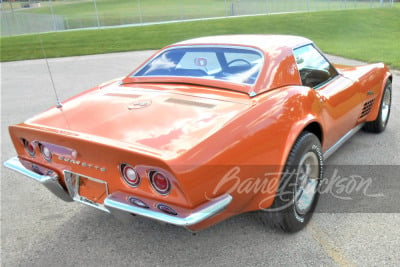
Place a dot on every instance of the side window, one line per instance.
(314, 69)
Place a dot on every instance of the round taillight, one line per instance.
(137, 202)
(29, 147)
(160, 183)
(130, 175)
(46, 153)
(166, 209)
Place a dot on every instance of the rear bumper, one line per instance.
(50, 181)
(119, 204)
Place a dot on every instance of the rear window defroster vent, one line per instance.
(190, 103)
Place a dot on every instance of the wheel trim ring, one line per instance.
(305, 190)
(386, 105)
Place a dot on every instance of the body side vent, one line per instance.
(367, 108)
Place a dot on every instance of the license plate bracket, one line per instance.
(87, 190)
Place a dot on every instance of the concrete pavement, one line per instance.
(37, 229)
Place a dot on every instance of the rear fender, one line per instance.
(304, 110)
(262, 200)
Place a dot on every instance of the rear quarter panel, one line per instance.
(246, 157)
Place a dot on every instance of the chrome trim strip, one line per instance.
(118, 201)
(342, 140)
(50, 182)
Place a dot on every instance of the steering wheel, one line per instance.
(239, 60)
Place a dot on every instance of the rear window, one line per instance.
(233, 64)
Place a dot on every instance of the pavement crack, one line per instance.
(328, 245)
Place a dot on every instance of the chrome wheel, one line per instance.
(381, 121)
(387, 97)
(298, 193)
(306, 182)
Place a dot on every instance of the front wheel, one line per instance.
(379, 125)
(298, 194)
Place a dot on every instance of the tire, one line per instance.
(379, 125)
(295, 201)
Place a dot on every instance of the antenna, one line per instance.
(59, 105)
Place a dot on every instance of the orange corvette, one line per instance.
(206, 129)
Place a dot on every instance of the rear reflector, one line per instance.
(166, 209)
(137, 202)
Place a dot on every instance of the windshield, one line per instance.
(233, 64)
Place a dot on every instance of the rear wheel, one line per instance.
(298, 194)
(379, 125)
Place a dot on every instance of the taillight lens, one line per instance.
(160, 182)
(130, 175)
(29, 147)
(45, 151)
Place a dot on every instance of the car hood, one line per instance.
(167, 119)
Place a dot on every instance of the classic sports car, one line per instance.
(206, 129)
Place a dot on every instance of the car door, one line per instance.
(341, 102)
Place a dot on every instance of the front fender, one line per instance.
(384, 75)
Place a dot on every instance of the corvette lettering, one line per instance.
(82, 164)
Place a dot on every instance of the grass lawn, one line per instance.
(78, 14)
(370, 35)
(82, 13)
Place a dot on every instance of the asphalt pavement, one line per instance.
(38, 229)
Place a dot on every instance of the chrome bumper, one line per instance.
(119, 205)
(50, 182)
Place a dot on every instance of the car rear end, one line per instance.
(116, 177)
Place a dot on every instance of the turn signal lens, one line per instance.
(130, 175)
(45, 151)
(160, 183)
